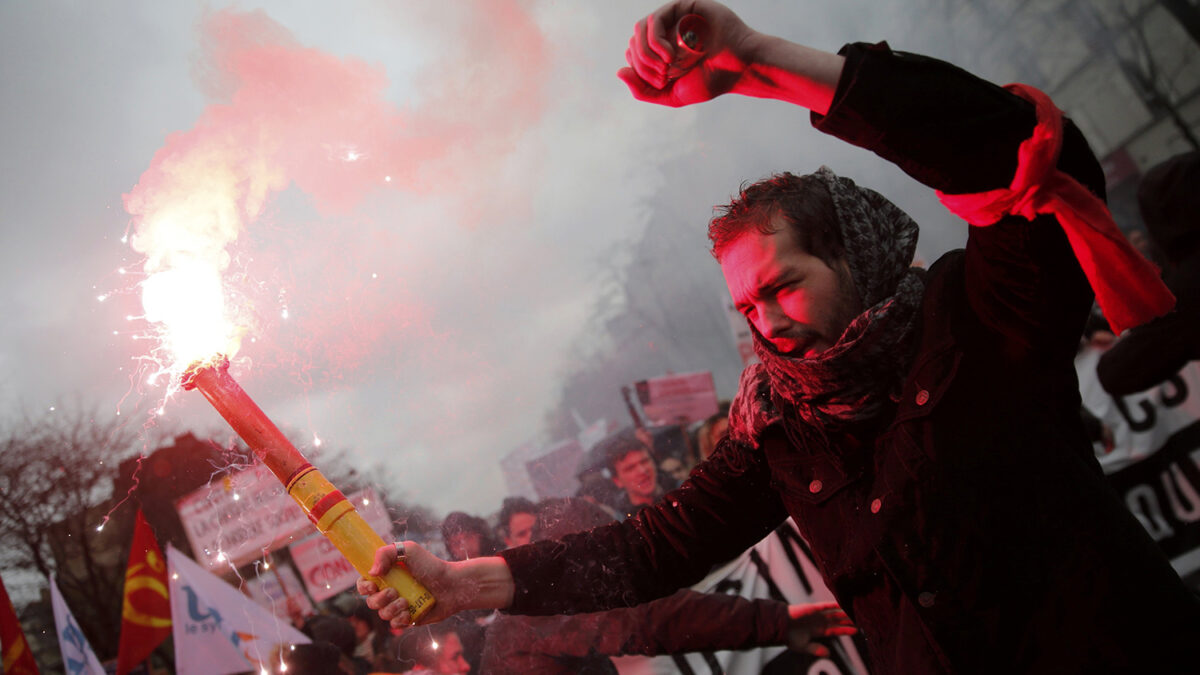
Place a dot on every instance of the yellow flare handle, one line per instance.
(340, 522)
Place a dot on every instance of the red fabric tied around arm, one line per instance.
(1127, 286)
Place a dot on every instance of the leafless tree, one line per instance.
(56, 475)
(1145, 68)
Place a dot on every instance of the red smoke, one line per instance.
(282, 115)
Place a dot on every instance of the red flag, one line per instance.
(146, 616)
(18, 660)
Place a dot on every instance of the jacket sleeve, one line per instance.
(959, 134)
(684, 622)
(724, 507)
(1149, 354)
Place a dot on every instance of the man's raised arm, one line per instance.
(736, 59)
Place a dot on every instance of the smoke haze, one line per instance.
(417, 207)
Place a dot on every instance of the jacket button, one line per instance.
(815, 486)
(926, 599)
(922, 397)
(876, 505)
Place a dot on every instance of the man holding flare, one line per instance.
(922, 428)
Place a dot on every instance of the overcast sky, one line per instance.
(425, 190)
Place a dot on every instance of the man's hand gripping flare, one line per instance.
(482, 583)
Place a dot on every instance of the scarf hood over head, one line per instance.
(851, 381)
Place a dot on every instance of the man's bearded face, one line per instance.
(797, 302)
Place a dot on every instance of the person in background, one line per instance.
(370, 635)
(467, 536)
(674, 469)
(598, 489)
(517, 515)
(313, 658)
(439, 651)
(339, 632)
(631, 465)
(711, 433)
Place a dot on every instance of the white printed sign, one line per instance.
(239, 517)
(1154, 462)
(216, 629)
(325, 570)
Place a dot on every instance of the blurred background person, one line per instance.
(370, 635)
(439, 651)
(711, 432)
(633, 469)
(467, 536)
(314, 658)
(517, 515)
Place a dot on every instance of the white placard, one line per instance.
(239, 517)
(678, 399)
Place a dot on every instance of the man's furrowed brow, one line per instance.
(770, 280)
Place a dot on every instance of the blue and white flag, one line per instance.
(217, 629)
(77, 655)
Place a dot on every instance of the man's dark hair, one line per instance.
(314, 658)
(334, 630)
(620, 444)
(457, 521)
(802, 201)
(512, 506)
(359, 610)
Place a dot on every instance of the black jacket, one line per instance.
(684, 622)
(972, 530)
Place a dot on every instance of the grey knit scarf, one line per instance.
(852, 381)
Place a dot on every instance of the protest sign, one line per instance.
(1154, 462)
(553, 471)
(678, 399)
(240, 517)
